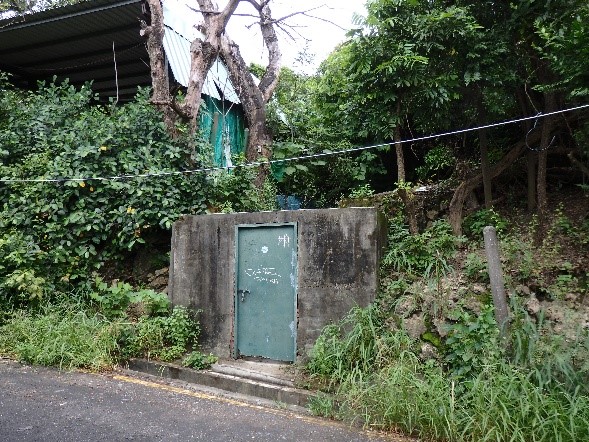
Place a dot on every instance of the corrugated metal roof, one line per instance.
(76, 42)
(179, 31)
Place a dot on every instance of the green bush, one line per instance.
(474, 224)
(60, 132)
(116, 300)
(425, 254)
(199, 360)
(162, 337)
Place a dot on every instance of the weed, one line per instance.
(474, 224)
(199, 361)
(322, 404)
(475, 268)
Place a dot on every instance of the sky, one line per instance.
(323, 33)
(334, 19)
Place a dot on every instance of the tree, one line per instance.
(403, 64)
(204, 50)
(430, 66)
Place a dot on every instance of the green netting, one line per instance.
(229, 130)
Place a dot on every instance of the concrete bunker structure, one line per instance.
(334, 267)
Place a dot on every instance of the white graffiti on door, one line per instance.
(284, 240)
(264, 274)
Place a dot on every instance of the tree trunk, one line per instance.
(531, 163)
(405, 194)
(467, 186)
(160, 83)
(484, 146)
(550, 106)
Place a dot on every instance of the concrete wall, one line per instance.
(338, 258)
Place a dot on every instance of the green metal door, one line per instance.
(265, 292)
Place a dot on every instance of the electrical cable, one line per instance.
(299, 158)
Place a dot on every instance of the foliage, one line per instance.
(474, 224)
(428, 253)
(161, 337)
(355, 346)
(65, 336)
(199, 361)
(437, 160)
(71, 334)
(499, 404)
(60, 132)
(22, 270)
(116, 300)
(472, 343)
(234, 191)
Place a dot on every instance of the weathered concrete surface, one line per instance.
(243, 382)
(338, 258)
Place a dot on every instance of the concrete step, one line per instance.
(262, 380)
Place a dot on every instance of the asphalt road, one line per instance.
(41, 404)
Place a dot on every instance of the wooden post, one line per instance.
(497, 282)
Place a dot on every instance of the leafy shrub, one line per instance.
(428, 253)
(472, 343)
(199, 360)
(475, 268)
(114, 301)
(22, 271)
(60, 132)
(437, 160)
(162, 337)
(474, 224)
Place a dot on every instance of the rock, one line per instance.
(441, 326)
(164, 271)
(428, 351)
(474, 305)
(533, 305)
(554, 313)
(406, 306)
(479, 289)
(432, 214)
(523, 289)
(414, 326)
(159, 283)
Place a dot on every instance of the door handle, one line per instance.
(243, 293)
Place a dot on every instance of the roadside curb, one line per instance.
(246, 385)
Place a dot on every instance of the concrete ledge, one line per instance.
(233, 383)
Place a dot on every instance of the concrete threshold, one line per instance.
(264, 380)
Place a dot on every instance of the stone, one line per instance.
(523, 289)
(432, 214)
(414, 326)
(428, 351)
(441, 326)
(161, 272)
(474, 305)
(533, 305)
(554, 313)
(159, 283)
(479, 289)
(406, 306)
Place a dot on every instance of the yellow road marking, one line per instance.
(199, 395)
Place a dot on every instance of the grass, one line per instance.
(63, 336)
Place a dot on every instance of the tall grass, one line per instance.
(379, 382)
(66, 336)
(500, 404)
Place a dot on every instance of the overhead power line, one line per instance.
(298, 158)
